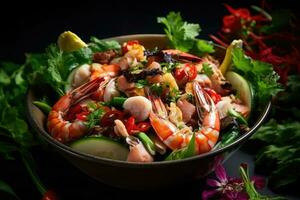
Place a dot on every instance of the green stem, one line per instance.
(262, 11)
(29, 164)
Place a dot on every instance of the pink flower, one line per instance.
(228, 188)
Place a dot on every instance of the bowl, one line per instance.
(127, 175)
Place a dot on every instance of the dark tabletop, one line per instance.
(28, 28)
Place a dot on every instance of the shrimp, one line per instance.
(216, 80)
(175, 138)
(86, 73)
(61, 129)
(98, 70)
(137, 151)
(110, 90)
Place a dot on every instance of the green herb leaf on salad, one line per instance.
(94, 117)
(182, 35)
(259, 74)
(207, 70)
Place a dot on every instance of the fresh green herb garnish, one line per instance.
(168, 67)
(207, 69)
(141, 83)
(97, 45)
(260, 74)
(173, 95)
(182, 35)
(94, 118)
(156, 88)
(203, 46)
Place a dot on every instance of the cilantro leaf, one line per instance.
(94, 117)
(182, 35)
(259, 74)
(101, 45)
(203, 46)
(141, 83)
(207, 69)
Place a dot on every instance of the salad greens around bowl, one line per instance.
(126, 100)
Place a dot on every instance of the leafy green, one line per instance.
(281, 153)
(185, 152)
(156, 88)
(182, 35)
(54, 66)
(141, 83)
(101, 45)
(94, 118)
(207, 69)
(203, 46)
(260, 74)
(228, 137)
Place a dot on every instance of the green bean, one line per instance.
(46, 108)
(147, 142)
(237, 116)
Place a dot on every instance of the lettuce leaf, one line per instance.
(260, 75)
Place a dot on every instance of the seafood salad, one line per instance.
(145, 105)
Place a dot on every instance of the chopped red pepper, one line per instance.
(213, 94)
(188, 70)
(133, 128)
(130, 124)
(143, 126)
(126, 46)
(71, 115)
(82, 116)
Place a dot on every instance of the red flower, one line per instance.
(242, 13)
(231, 24)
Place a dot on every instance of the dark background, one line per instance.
(30, 27)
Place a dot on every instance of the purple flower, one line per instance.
(259, 182)
(225, 187)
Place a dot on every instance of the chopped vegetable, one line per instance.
(43, 106)
(101, 147)
(207, 69)
(147, 142)
(188, 71)
(242, 87)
